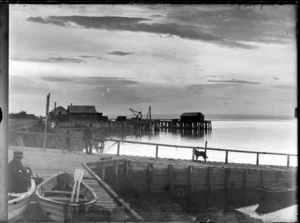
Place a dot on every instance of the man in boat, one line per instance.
(87, 138)
(18, 176)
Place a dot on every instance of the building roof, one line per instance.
(81, 109)
(55, 109)
(191, 114)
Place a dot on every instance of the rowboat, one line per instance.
(53, 196)
(276, 197)
(18, 202)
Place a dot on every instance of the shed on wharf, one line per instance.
(192, 117)
(187, 121)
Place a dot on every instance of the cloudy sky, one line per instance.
(175, 58)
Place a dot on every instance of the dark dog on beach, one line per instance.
(199, 153)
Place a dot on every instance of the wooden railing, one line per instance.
(157, 145)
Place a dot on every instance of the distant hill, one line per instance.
(22, 115)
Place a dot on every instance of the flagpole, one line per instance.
(4, 26)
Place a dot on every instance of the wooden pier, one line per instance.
(185, 125)
(49, 162)
(138, 126)
(168, 175)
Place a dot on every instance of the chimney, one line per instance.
(54, 105)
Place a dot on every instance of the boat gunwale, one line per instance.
(24, 195)
(39, 189)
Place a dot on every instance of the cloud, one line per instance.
(110, 90)
(51, 60)
(197, 88)
(36, 19)
(120, 53)
(86, 56)
(23, 85)
(57, 79)
(271, 24)
(284, 86)
(227, 98)
(276, 78)
(113, 23)
(108, 82)
(234, 81)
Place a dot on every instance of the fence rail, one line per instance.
(157, 145)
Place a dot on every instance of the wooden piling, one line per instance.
(156, 153)
(245, 178)
(190, 179)
(262, 173)
(257, 159)
(228, 178)
(116, 167)
(210, 179)
(171, 177)
(103, 172)
(150, 176)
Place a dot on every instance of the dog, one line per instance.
(199, 153)
(99, 146)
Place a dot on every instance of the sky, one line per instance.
(214, 59)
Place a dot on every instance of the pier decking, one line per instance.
(49, 162)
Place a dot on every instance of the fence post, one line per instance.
(288, 160)
(226, 157)
(257, 159)
(193, 158)
(156, 155)
(118, 151)
(205, 146)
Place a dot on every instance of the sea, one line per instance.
(260, 135)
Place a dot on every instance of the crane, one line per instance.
(138, 115)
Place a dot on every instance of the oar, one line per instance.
(76, 178)
(78, 187)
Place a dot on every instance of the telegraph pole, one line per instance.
(46, 121)
(4, 25)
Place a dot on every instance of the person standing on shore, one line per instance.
(87, 138)
(68, 141)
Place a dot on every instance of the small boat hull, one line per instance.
(271, 200)
(53, 196)
(19, 202)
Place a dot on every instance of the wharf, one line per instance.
(47, 163)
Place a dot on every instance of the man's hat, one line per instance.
(18, 154)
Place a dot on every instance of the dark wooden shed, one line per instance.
(83, 113)
(121, 119)
(59, 113)
(192, 117)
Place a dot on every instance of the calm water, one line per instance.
(279, 136)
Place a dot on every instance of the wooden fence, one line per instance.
(158, 145)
